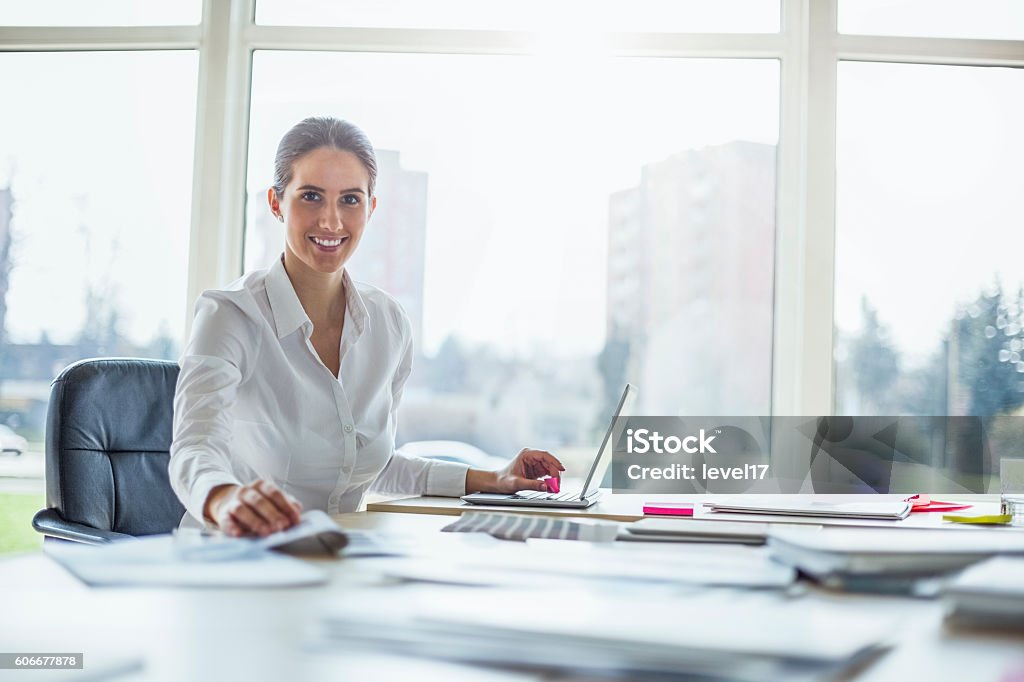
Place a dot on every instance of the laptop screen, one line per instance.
(611, 437)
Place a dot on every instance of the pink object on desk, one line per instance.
(923, 503)
(668, 509)
(552, 484)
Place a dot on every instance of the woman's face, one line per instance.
(325, 208)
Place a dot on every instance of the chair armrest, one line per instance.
(50, 522)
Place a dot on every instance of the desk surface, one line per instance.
(630, 508)
(249, 634)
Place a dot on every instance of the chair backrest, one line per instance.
(108, 437)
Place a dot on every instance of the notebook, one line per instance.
(888, 551)
(988, 594)
(893, 511)
(696, 530)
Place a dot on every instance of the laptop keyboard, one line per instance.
(537, 495)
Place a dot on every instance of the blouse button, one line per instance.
(348, 428)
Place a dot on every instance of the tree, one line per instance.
(448, 368)
(875, 363)
(923, 390)
(163, 345)
(983, 336)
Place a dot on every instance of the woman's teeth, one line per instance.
(327, 242)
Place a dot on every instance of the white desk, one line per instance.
(183, 634)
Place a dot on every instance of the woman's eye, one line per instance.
(350, 199)
(310, 196)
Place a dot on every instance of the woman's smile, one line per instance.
(329, 244)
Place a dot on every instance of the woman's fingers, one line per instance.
(288, 505)
(529, 484)
(247, 518)
(273, 518)
(540, 463)
(231, 528)
(259, 508)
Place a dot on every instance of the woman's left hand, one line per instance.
(522, 473)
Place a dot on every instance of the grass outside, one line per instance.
(16, 512)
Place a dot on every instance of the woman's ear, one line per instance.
(373, 206)
(275, 203)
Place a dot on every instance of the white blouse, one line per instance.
(255, 401)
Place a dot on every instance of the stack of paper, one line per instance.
(156, 560)
(696, 530)
(890, 511)
(710, 635)
(194, 559)
(575, 563)
(856, 556)
(989, 594)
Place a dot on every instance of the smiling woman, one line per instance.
(290, 383)
(329, 219)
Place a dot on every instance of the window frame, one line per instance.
(808, 47)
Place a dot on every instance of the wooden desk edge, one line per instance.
(410, 507)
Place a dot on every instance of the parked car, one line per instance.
(11, 442)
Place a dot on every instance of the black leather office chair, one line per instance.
(108, 436)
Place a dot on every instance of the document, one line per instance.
(847, 510)
(696, 530)
(709, 635)
(523, 526)
(988, 594)
(157, 560)
(888, 551)
(196, 559)
(573, 563)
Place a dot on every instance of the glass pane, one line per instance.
(100, 13)
(991, 19)
(95, 187)
(552, 241)
(929, 240)
(688, 16)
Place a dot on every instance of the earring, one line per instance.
(280, 217)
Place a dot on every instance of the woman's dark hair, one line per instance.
(321, 131)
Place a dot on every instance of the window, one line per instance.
(684, 16)
(95, 187)
(928, 240)
(554, 227)
(994, 19)
(680, 221)
(100, 13)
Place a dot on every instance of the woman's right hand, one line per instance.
(259, 508)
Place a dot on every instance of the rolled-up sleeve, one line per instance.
(213, 365)
(406, 473)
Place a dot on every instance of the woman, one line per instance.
(291, 381)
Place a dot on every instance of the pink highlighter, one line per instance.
(552, 484)
(668, 509)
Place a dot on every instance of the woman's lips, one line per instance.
(331, 245)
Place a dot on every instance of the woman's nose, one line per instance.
(330, 218)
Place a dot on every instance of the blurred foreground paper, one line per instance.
(718, 634)
(157, 560)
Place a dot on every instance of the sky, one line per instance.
(522, 154)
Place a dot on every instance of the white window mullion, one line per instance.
(222, 130)
(947, 51)
(106, 38)
(802, 368)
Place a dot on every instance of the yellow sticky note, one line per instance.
(985, 519)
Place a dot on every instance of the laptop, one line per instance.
(575, 499)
